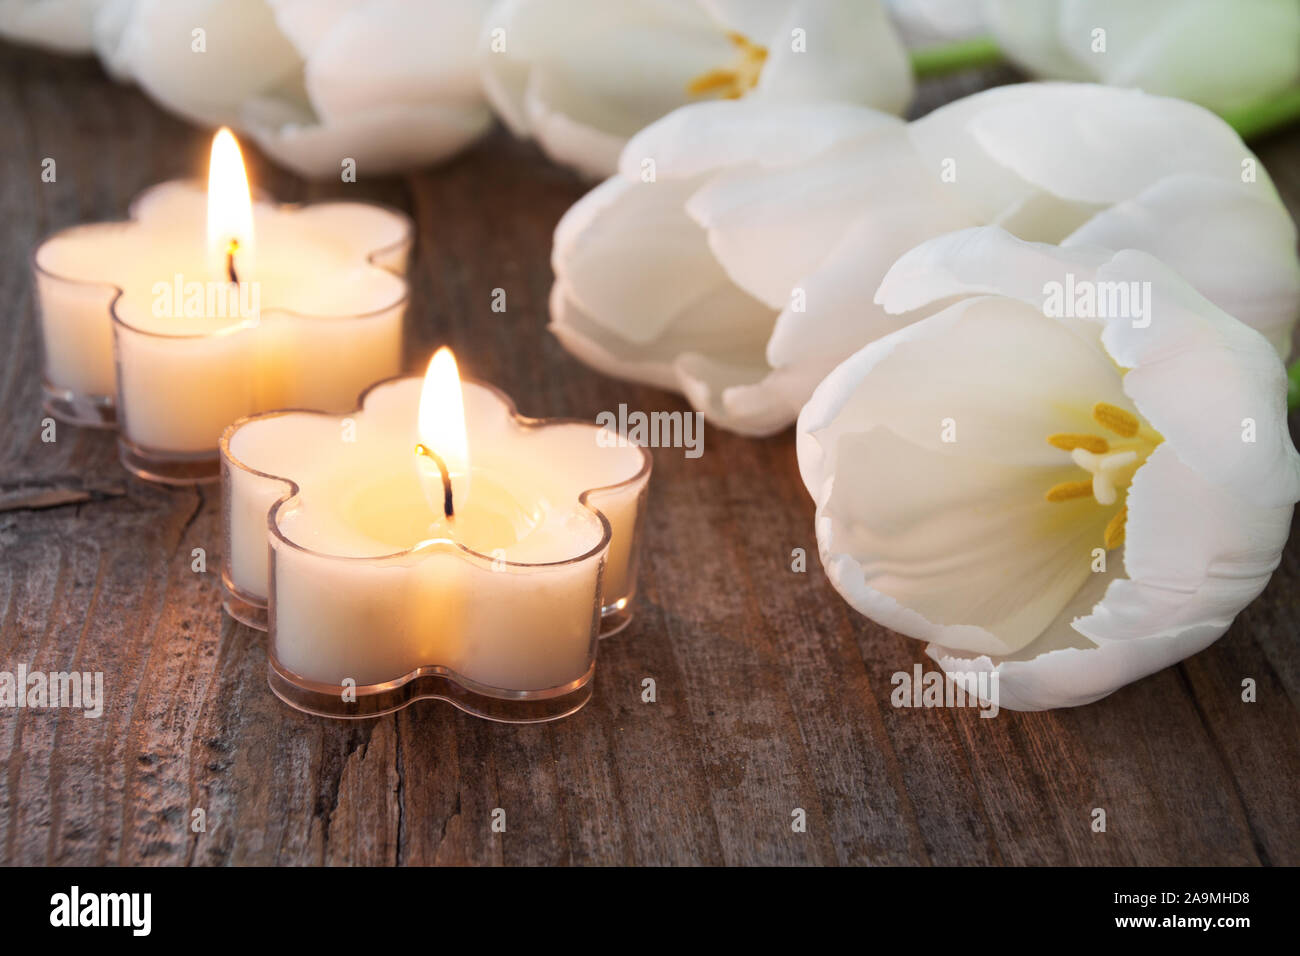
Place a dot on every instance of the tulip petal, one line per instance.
(924, 23)
(705, 137)
(573, 124)
(245, 55)
(948, 151)
(395, 53)
(307, 23)
(769, 228)
(588, 73)
(758, 20)
(1219, 53)
(381, 140)
(935, 369)
(1028, 32)
(1250, 270)
(748, 399)
(634, 261)
(982, 260)
(60, 25)
(594, 344)
(849, 52)
(722, 323)
(712, 353)
(585, 72)
(108, 29)
(1199, 376)
(834, 315)
(1195, 556)
(1052, 673)
(1063, 140)
(953, 548)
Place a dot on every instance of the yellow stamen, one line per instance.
(1069, 489)
(1115, 419)
(711, 81)
(735, 82)
(1112, 463)
(1113, 536)
(1069, 441)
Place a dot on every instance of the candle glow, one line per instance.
(443, 438)
(230, 210)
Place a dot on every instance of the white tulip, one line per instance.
(390, 84)
(1071, 503)
(923, 23)
(581, 76)
(59, 25)
(1222, 54)
(744, 271)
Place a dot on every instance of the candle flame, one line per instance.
(441, 430)
(230, 210)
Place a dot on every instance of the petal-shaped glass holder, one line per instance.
(361, 634)
(170, 383)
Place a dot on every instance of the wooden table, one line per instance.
(772, 694)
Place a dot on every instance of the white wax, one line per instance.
(359, 589)
(329, 321)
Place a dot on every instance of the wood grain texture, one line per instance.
(773, 694)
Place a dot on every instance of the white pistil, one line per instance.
(1105, 470)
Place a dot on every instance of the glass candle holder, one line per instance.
(372, 599)
(141, 335)
(79, 381)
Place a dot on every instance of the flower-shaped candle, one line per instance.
(432, 543)
(206, 307)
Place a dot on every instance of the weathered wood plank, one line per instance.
(772, 695)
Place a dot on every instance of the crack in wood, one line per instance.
(41, 494)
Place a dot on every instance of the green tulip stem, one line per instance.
(1266, 115)
(951, 57)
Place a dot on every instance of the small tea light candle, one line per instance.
(206, 307)
(433, 543)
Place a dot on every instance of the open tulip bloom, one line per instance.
(581, 76)
(735, 255)
(1069, 494)
(389, 84)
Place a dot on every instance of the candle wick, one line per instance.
(230, 260)
(447, 507)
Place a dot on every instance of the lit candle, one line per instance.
(432, 543)
(207, 306)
